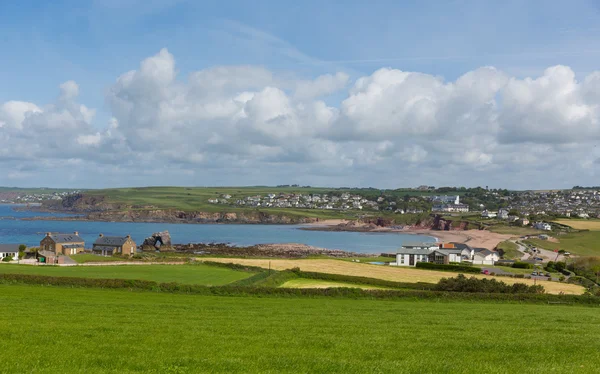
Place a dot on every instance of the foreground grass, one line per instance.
(510, 250)
(583, 243)
(125, 332)
(187, 274)
(318, 283)
(392, 273)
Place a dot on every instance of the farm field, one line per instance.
(317, 283)
(188, 274)
(117, 331)
(580, 224)
(583, 243)
(392, 273)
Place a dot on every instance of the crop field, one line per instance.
(392, 273)
(583, 243)
(317, 283)
(114, 331)
(591, 224)
(187, 274)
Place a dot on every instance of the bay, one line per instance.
(15, 230)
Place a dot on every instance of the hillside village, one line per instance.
(15, 197)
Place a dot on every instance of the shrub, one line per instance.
(461, 283)
(561, 278)
(7, 259)
(522, 265)
(455, 268)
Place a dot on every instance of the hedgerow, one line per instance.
(461, 283)
(455, 268)
(362, 280)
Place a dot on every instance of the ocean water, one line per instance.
(15, 230)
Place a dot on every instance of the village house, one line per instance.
(483, 256)
(411, 253)
(65, 244)
(9, 250)
(110, 245)
(542, 226)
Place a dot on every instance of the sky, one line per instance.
(387, 94)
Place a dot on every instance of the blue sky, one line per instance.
(92, 43)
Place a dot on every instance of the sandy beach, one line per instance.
(475, 238)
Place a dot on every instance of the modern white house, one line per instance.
(9, 250)
(411, 253)
(487, 214)
(483, 256)
(542, 226)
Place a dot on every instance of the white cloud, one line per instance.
(393, 128)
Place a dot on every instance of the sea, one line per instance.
(15, 230)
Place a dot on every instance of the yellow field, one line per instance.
(392, 273)
(592, 225)
(317, 283)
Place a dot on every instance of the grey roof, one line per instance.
(420, 244)
(111, 240)
(72, 245)
(460, 245)
(483, 252)
(449, 250)
(413, 251)
(6, 248)
(66, 238)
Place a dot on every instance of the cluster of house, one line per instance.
(21, 197)
(443, 253)
(53, 245)
(448, 204)
(308, 201)
(571, 203)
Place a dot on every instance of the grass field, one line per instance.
(86, 257)
(109, 331)
(188, 274)
(510, 250)
(514, 230)
(317, 283)
(581, 224)
(392, 273)
(583, 243)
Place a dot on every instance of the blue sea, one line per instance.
(15, 230)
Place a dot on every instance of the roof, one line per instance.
(484, 253)
(413, 251)
(5, 248)
(66, 238)
(449, 250)
(111, 240)
(420, 244)
(72, 245)
(461, 245)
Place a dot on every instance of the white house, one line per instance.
(411, 253)
(488, 214)
(542, 226)
(9, 250)
(483, 256)
(503, 214)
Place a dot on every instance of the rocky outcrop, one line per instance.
(158, 241)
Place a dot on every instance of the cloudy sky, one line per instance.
(386, 94)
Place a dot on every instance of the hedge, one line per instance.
(362, 280)
(455, 268)
(296, 292)
(461, 283)
(522, 265)
(232, 266)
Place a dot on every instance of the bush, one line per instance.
(582, 281)
(361, 280)
(561, 278)
(455, 268)
(461, 283)
(7, 259)
(522, 265)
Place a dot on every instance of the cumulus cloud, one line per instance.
(235, 122)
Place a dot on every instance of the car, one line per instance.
(538, 259)
(485, 271)
(548, 275)
(534, 274)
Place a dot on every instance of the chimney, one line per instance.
(48, 233)
(101, 235)
(128, 236)
(76, 233)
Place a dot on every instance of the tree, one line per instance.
(22, 249)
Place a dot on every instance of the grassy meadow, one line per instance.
(581, 224)
(390, 273)
(510, 250)
(114, 331)
(186, 274)
(582, 243)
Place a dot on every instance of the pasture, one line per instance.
(581, 224)
(582, 243)
(186, 274)
(391, 273)
(115, 331)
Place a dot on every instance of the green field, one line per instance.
(110, 331)
(187, 274)
(87, 257)
(583, 243)
(318, 283)
(510, 250)
(514, 230)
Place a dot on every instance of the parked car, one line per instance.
(534, 274)
(485, 271)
